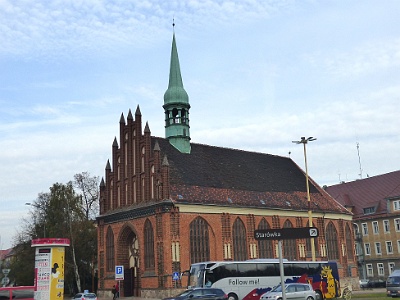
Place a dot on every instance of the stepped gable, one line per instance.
(223, 176)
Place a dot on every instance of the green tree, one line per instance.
(61, 213)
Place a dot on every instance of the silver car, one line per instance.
(294, 291)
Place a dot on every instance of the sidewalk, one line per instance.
(370, 291)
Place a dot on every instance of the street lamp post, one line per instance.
(304, 141)
(44, 223)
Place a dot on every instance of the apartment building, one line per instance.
(375, 204)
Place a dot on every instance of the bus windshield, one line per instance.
(196, 275)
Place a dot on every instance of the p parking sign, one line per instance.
(119, 272)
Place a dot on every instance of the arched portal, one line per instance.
(128, 256)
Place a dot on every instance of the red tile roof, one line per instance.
(368, 192)
(223, 176)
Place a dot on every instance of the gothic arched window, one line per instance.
(148, 246)
(349, 242)
(110, 250)
(265, 248)
(332, 242)
(289, 246)
(239, 241)
(199, 241)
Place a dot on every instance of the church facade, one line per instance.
(166, 203)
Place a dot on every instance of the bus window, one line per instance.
(268, 269)
(314, 268)
(224, 271)
(247, 270)
(287, 269)
(299, 269)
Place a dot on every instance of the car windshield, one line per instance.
(394, 279)
(90, 295)
(184, 293)
(278, 288)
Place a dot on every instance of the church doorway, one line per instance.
(128, 245)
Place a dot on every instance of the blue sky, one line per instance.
(259, 75)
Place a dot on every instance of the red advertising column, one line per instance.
(49, 268)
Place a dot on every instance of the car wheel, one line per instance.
(232, 296)
(310, 298)
(319, 295)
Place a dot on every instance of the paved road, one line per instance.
(364, 291)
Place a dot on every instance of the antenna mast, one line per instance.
(359, 159)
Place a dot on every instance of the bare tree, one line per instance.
(88, 188)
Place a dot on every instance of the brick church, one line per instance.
(167, 202)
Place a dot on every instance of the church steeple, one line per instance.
(176, 106)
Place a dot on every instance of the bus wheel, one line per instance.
(319, 295)
(232, 296)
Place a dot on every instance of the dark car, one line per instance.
(200, 293)
(377, 283)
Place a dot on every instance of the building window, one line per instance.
(370, 270)
(364, 228)
(332, 242)
(367, 249)
(381, 269)
(391, 267)
(389, 247)
(289, 246)
(264, 246)
(369, 210)
(199, 241)
(375, 227)
(110, 250)
(386, 226)
(148, 246)
(349, 242)
(239, 241)
(396, 205)
(378, 249)
(397, 224)
(398, 246)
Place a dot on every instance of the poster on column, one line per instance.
(57, 273)
(42, 270)
(49, 269)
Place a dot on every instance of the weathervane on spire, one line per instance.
(173, 24)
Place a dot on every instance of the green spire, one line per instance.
(175, 92)
(176, 106)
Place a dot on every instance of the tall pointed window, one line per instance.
(110, 250)
(289, 246)
(265, 249)
(199, 240)
(148, 246)
(332, 242)
(349, 242)
(239, 241)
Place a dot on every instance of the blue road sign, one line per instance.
(119, 272)
(175, 276)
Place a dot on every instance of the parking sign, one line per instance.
(119, 272)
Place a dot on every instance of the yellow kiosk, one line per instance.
(49, 268)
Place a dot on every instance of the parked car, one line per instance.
(393, 284)
(200, 293)
(300, 291)
(377, 283)
(364, 283)
(85, 296)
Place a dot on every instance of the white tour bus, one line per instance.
(248, 280)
